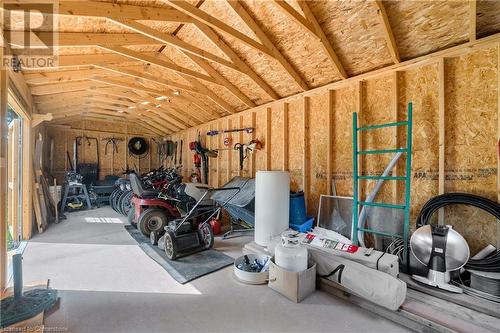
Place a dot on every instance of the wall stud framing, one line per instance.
(442, 134)
(285, 137)
(269, 156)
(329, 161)
(306, 150)
(395, 103)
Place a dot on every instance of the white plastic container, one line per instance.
(289, 255)
(272, 205)
(251, 277)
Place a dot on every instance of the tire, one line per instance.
(170, 245)
(152, 219)
(126, 204)
(131, 217)
(120, 201)
(115, 200)
(206, 235)
(154, 236)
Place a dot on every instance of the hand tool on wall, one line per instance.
(114, 144)
(245, 149)
(216, 132)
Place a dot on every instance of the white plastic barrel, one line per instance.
(272, 205)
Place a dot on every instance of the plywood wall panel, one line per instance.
(277, 137)
(344, 104)
(420, 86)
(376, 109)
(471, 140)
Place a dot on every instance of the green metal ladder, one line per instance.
(357, 203)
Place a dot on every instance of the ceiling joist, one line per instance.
(389, 36)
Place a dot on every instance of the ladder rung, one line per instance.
(399, 123)
(383, 151)
(382, 177)
(388, 234)
(381, 204)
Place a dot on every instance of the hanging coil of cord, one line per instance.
(484, 272)
(138, 147)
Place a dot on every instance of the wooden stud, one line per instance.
(442, 134)
(329, 145)
(240, 140)
(395, 116)
(389, 36)
(306, 150)
(229, 153)
(325, 43)
(253, 170)
(269, 155)
(359, 110)
(472, 20)
(286, 147)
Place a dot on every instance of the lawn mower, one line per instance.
(192, 233)
(149, 212)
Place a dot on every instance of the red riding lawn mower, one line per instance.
(149, 212)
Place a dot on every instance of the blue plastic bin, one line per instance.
(297, 208)
(304, 227)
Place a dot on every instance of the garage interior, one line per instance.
(250, 165)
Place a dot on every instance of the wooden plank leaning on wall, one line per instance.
(3, 175)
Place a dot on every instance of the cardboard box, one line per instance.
(295, 286)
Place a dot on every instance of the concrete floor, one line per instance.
(107, 284)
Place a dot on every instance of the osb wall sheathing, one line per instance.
(471, 110)
(471, 140)
(110, 163)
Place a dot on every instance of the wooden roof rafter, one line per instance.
(388, 35)
(272, 49)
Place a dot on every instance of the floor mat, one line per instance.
(184, 269)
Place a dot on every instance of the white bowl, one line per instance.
(251, 277)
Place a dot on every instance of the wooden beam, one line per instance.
(215, 23)
(359, 110)
(58, 88)
(84, 39)
(60, 77)
(155, 61)
(286, 130)
(212, 95)
(104, 9)
(329, 144)
(145, 75)
(37, 119)
(222, 80)
(229, 52)
(295, 16)
(389, 36)
(325, 43)
(472, 20)
(442, 134)
(273, 50)
(173, 41)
